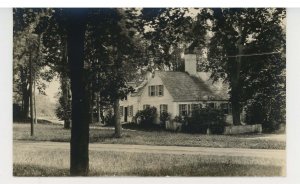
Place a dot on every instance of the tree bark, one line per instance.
(118, 126)
(30, 94)
(80, 98)
(235, 81)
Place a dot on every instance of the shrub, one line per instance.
(272, 117)
(147, 116)
(205, 118)
(109, 119)
(164, 116)
(63, 109)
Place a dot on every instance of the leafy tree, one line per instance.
(113, 56)
(99, 50)
(27, 65)
(55, 56)
(63, 110)
(243, 50)
(168, 32)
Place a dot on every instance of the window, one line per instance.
(163, 108)
(160, 90)
(183, 110)
(130, 110)
(146, 106)
(157, 90)
(151, 90)
(121, 110)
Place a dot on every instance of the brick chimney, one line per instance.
(190, 63)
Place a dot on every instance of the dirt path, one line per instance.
(276, 155)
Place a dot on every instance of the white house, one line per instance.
(177, 93)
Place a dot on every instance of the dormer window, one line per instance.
(156, 90)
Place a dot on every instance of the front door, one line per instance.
(125, 113)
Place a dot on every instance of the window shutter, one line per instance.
(149, 93)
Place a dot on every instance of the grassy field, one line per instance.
(55, 162)
(56, 133)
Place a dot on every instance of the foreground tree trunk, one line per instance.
(118, 126)
(235, 81)
(80, 107)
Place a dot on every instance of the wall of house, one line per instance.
(131, 101)
(156, 101)
(139, 101)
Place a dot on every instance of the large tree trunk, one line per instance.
(235, 91)
(30, 93)
(80, 98)
(118, 126)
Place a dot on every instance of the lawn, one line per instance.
(56, 133)
(55, 162)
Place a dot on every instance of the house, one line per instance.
(177, 93)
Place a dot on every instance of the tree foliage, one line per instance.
(257, 38)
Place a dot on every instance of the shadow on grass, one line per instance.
(145, 128)
(39, 121)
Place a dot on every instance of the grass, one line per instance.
(56, 133)
(55, 162)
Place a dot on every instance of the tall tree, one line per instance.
(77, 19)
(112, 55)
(242, 40)
(28, 63)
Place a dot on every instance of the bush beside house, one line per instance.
(164, 118)
(205, 120)
(147, 117)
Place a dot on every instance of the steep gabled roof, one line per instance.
(184, 87)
